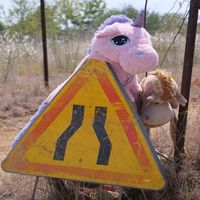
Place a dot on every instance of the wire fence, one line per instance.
(68, 51)
(172, 49)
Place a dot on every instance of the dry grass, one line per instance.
(23, 92)
(185, 185)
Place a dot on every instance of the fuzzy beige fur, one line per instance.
(160, 87)
(159, 97)
(166, 85)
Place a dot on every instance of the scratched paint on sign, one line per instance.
(89, 132)
(83, 146)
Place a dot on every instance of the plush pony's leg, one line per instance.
(173, 129)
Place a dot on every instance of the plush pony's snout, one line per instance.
(139, 61)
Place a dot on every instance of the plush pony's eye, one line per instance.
(120, 40)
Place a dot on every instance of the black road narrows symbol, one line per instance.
(76, 122)
(105, 144)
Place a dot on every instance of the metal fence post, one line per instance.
(186, 82)
(44, 42)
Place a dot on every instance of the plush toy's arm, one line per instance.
(132, 99)
(135, 88)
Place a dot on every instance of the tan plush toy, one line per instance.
(160, 96)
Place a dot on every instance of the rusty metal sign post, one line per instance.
(186, 81)
(44, 43)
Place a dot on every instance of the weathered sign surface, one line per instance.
(91, 132)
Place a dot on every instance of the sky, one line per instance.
(160, 6)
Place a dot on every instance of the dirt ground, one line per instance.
(19, 100)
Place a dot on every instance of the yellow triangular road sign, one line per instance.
(91, 132)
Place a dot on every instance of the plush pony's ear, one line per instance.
(140, 20)
(108, 31)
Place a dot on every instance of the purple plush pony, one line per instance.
(127, 47)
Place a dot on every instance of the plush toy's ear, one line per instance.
(108, 31)
(147, 98)
(150, 99)
(103, 33)
(181, 99)
(140, 20)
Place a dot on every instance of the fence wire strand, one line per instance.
(172, 19)
(176, 35)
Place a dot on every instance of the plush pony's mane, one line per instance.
(115, 18)
(111, 20)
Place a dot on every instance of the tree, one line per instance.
(2, 26)
(79, 14)
(170, 22)
(65, 13)
(108, 13)
(31, 24)
(3, 18)
(89, 12)
(18, 14)
(129, 11)
(153, 22)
